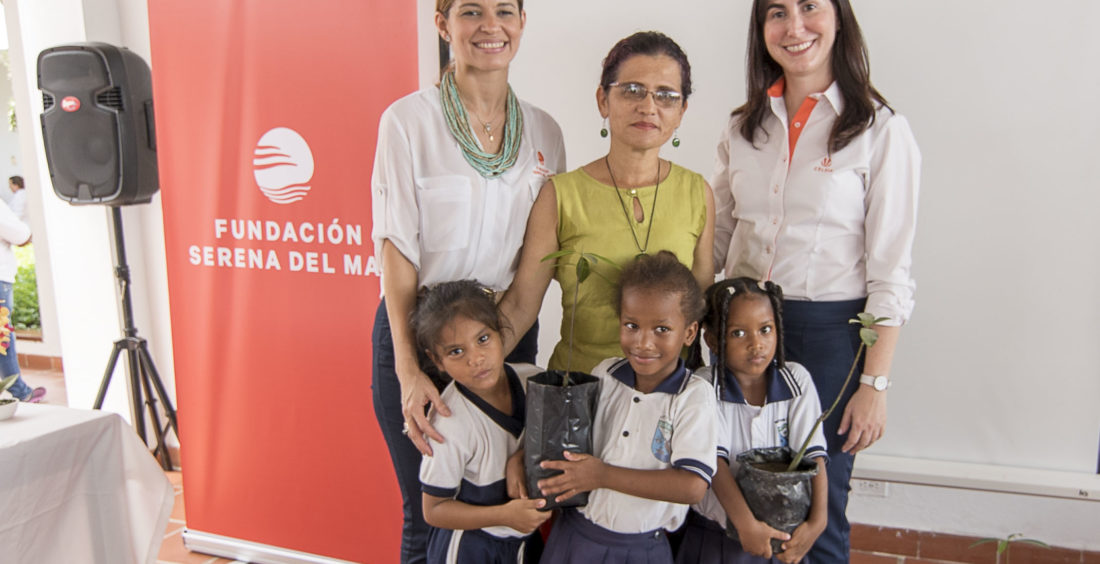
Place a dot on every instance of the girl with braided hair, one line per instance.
(763, 401)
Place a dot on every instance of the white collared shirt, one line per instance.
(674, 426)
(445, 218)
(825, 227)
(791, 408)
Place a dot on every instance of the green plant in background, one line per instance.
(1004, 544)
(25, 313)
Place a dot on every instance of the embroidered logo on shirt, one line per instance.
(825, 166)
(540, 169)
(781, 430)
(662, 440)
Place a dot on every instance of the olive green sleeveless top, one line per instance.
(591, 219)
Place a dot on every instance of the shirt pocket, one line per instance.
(445, 212)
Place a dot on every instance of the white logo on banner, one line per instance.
(283, 165)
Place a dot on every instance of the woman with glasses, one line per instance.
(816, 185)
(457, 169)
(626, 203)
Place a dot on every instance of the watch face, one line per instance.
(881, 382)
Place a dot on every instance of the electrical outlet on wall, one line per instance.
(871, 488)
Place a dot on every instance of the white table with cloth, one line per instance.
(78, 486)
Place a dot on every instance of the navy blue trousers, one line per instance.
(386, 393)
(818, 336)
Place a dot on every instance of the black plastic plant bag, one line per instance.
(779, 498)
(559, 418)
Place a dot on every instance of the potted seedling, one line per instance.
(561, 405)
(776, 482)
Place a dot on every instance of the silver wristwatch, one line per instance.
(879, 383)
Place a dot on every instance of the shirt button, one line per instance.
(776, 189)
(797, 124)
(768, 250)
(775, 221)
(636, 400)
(626, 433)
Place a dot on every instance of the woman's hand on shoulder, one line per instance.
(418, 392)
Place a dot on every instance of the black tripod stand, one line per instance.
(144, 379)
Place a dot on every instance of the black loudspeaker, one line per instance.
(97, 124)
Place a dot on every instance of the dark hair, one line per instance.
(721, 294)
(652, 43)
(437, 306)
(663, 272)
(851, 71)
(17, 180)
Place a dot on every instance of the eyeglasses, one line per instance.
(635, 92)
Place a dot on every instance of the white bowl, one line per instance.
(8, 409)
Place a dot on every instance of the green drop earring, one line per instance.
(603, 130)
(676, 138)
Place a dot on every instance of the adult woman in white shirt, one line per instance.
(456, 171)
(816, 189)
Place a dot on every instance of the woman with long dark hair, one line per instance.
(816, 189)
(456, 172)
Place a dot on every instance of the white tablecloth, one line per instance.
(78, 486)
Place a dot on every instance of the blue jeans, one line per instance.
(818, 336)
(386, 392)
(9, 363)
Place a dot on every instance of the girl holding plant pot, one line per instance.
(457, 169)
(626, 203)
(816, 189)
(763, 402)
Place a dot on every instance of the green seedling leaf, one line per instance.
(557, 254)
(868, 336)
(8, 382)
(584, 268)
(983, 541)
(593, 257)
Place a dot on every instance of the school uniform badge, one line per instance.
(662, 440)
(781, 431)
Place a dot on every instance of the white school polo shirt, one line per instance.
(470, 465)
(791, 407)
(445, 218)
(673, 426)
(824, 226)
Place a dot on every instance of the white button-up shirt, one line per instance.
(674, 426)
(445, 218)
(824, 226)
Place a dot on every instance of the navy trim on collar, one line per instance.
(512, 423)
(623, 372)
(781, 386)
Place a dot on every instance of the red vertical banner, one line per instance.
(266, 115)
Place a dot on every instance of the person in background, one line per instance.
(457, 169)
(17, 200)
(816, 188)
(13, 231)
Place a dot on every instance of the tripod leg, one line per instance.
(134, 369)
(107, 375)
(160, 452)
(169, 411)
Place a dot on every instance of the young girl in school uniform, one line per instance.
(762, 402)
(654, 430)
(464, 495)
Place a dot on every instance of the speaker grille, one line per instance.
(47, 101)
(110, 98)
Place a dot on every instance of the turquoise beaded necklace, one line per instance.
(488, 165)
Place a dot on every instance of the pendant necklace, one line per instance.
(641, 248)
(488, 125)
